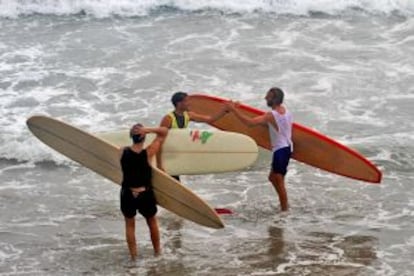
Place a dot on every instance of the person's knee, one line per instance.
(279, 178)
(273, 177)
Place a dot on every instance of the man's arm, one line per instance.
(196, 117)
(166, 122)
(250, 121)
(155, 146)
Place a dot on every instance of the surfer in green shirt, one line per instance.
(180, 117)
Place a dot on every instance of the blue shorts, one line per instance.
(280, 160)
(145, 203)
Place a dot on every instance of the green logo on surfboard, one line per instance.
(202, 136)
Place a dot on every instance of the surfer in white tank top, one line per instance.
(282, 136)
(279, 124)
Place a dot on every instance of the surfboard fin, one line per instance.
(223, 211)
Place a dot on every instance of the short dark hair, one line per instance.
(178, 97)
(277, 95)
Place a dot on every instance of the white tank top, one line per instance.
(283, 137)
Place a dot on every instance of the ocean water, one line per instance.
(347, 68)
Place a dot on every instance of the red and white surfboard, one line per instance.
(310, 146)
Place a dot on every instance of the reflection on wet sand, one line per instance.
(173, 234)
(320, 253)
(276, 244)
(273, 251)
(311, 253)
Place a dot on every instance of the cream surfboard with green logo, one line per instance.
(103, 158)
(198, 151)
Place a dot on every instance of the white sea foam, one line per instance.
(105, 8)
(8, 252)
(349, 76)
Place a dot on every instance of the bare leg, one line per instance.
(155, 234)
(278, 182)
(130, 237)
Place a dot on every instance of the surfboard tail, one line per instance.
(177, 198)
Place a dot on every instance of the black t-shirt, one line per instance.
(136, 170)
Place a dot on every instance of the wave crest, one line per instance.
(130, 8)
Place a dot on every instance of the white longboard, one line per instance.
(103, 158)
(197, 151)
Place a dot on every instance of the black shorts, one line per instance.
(145, 203)
(280, 160)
